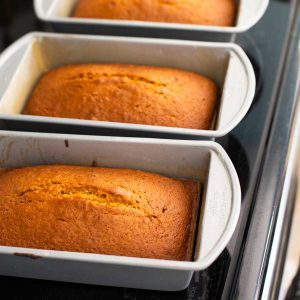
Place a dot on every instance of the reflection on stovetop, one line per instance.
(239, 158)
(204, 285)
(248, 43)
(244, 145)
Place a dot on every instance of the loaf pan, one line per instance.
(57, 13)
(225, 63)
(201, 160)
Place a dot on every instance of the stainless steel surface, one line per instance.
(288, 194)
(292, 258)
(260, 267)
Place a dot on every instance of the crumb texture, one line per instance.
(98, 210)
(126, 94)
(199, 12)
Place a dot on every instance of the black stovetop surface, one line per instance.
(245, 145)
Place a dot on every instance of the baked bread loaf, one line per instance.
(200, 12)
(98, 210)
(126, 94)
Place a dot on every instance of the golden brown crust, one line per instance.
(127, 94)
(98, 210)
(3, 171)
(200, 12)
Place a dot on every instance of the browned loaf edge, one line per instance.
(198, 12)
(127, 94)
(98, 210)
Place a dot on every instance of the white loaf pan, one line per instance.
(57, 12)
(227, 64)
(202, 160)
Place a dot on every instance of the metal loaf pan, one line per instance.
(57, 13)
(202, 160)
(23, 63)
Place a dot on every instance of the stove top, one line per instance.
(235, 274)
